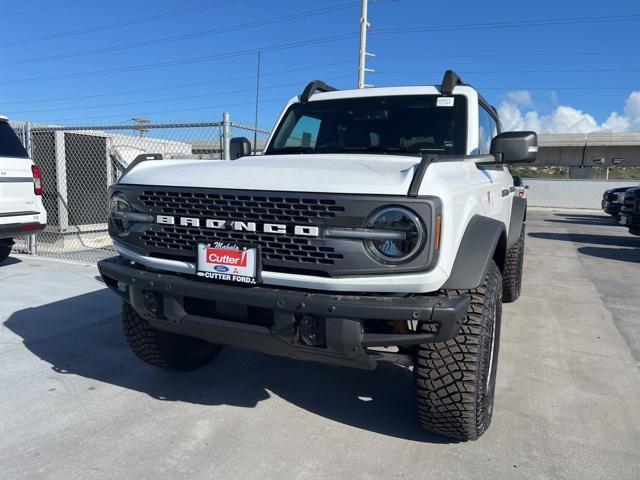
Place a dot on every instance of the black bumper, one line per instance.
(631, 220)
(612, 208)
(271, 320)
(13, 230)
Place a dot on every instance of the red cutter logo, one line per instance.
(231, 258)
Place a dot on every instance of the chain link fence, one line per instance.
(80, 162)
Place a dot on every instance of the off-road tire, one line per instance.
(164, 349)
(455, 380)
(5, 250)
(512, 275)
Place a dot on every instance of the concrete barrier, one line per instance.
(570, 193)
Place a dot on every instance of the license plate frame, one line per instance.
(229, 262)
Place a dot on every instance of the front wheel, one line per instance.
(164, 349)
(512, 277)
(455, 380)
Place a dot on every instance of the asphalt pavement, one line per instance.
(76, 404)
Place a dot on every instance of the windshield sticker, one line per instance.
(444, 102)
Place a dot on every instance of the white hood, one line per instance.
(329, 173)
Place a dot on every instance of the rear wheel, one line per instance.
(164, 349)
(512, 276)
(455, 380)
(5, 249)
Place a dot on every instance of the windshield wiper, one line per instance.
(275, 151)
(378, 149)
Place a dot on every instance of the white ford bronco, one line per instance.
(378, 225)
(21, 210)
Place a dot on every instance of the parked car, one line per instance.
(380, 225)
(21, 209)
(630, 211)
(613, 199)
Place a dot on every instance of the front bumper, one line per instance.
(612, 208)
(395, 283)
(13, 230)
(630, 220)
(272, 320)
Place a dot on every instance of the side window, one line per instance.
(305, 133)
(487, 129)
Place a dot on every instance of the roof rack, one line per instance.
(450, 81)
(313, 87)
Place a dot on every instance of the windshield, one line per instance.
(10, 145)
(407, 124)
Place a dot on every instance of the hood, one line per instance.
(329, 173)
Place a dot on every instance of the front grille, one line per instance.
(283, 248)
(280, 252)
(283, 209)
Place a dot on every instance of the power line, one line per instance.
(283, 99)
(184, 61)
(204, 95)
(183, 85)
(40, 9)
(519, 54)
(207, 107)
(511, 71)
(123, 23)
(512, 24)
(186, 36)
(308, 67)
(168, 99)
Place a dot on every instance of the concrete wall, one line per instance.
(570, 193)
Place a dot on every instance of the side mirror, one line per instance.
(239, 147)
(515, 147)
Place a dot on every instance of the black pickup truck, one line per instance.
(630, 211)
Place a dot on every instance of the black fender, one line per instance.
(518, 217)
(483, 240)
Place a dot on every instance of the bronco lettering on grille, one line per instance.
(216, 224)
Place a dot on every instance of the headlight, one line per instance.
(119, 203)
(394, 251)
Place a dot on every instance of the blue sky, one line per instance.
(590, 66)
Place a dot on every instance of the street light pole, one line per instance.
(364, 26)
(255, 132)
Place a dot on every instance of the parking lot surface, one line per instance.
(76, 403)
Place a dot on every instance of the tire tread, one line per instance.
(447, 373)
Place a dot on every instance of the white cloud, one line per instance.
(517, 114)
(521, 98)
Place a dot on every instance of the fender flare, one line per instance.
(483, 240)
(518, 217)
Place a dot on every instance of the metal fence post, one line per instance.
(26, 132)
(27, 138)
(226, 136)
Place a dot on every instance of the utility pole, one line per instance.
(364, 26)
(142, 123)
(255, 132)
